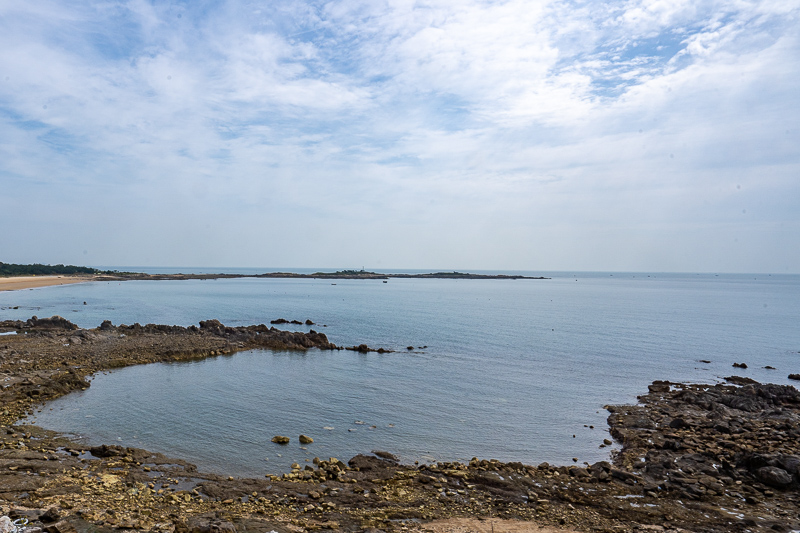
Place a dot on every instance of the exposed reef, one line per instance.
(722, 457)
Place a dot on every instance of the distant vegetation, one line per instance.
(9, 269)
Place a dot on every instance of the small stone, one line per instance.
(305, 439)
(280, 439)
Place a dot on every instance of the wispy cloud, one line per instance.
(538, 134)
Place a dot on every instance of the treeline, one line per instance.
(10, 269)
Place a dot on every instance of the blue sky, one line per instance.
(539, 135)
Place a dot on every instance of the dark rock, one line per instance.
(309, 322)
(55, 322)
(305, 439)
(740, 365)
(659, 386)
(739, 380)
(280, 439)
(678, 423)
(774, 477)
(367, 463)
(794, 376)
(107, 450)
(279, 321)
(386, 455)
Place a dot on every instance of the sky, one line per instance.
(625, 135)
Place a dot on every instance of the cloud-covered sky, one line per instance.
(657, 135)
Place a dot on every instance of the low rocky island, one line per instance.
(339, 274)
(722, 457)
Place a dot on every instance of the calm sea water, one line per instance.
(513, 370)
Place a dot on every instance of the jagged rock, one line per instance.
(54, 322)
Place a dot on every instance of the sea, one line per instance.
(514, 370)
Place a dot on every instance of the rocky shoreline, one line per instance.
(722, 457)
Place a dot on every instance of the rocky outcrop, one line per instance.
(54, 322)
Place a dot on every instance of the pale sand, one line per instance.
(30, 282)
(490, 525)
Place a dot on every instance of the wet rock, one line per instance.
(304, 439)
(794, 376)
(280, 439)
(659, 386)
(386, 455)
(365, 463)
(740, 365)
(107, 450)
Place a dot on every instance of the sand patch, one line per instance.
(32, 282)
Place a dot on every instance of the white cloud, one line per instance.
(546, 117)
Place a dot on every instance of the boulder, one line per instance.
(108, 451)
(774, 477)
(305, 439)
(280, 439)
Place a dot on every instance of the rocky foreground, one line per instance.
(694, 457)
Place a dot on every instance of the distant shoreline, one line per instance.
(29, 282)
(341, 274)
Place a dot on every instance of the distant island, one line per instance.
(339, 274)
(12, 270)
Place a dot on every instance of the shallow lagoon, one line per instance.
(512, 369)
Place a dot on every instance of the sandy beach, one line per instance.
(31, 282)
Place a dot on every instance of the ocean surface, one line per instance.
(513, 370)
